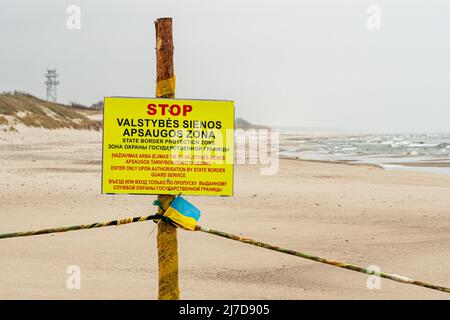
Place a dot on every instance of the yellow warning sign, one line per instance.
(168, 146)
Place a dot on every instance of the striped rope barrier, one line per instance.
(394, 277)
(118, 222)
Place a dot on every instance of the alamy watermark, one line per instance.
(251, 146)
(73, 21)
(373, 20)
(374, 280)
(73, 281)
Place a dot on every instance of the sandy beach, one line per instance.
(397, 220)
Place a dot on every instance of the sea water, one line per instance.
(428, 152)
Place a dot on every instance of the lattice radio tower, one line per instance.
(51, 84)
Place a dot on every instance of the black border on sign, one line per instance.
(154, 194)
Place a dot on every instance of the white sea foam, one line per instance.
(377, 149)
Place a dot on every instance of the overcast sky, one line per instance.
(293, 63)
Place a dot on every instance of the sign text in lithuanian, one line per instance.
(168, 146)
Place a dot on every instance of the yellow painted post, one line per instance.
(167, 234)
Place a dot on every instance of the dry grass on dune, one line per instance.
(23, 108)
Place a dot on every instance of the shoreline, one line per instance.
(27, 136)
(343, 162)
(433, 168)
(417, 152)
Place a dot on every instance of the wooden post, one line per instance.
(167, 234)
